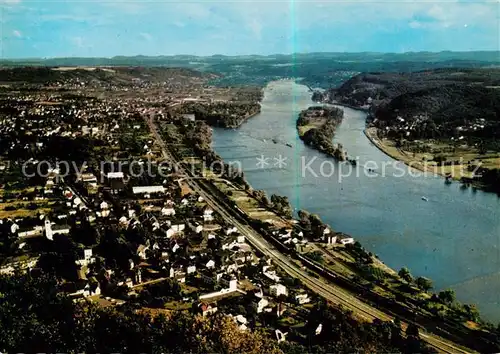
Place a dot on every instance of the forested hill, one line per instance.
(435, 102)
(110, 75)
(382, 87)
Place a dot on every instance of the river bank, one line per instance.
(244, 119)
(390, 150)
(384, 212)
(459, 171)
(357, 108)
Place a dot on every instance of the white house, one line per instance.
(347, 241)
(115, 175)
(37, 230)
(167, 211)
(178, 227)
(123, 220)
(191, 269)
(330, 239)
(272, 275)
(302, 299)
(260, 305)
(229, 282)
(207, 215)
(208, 211)
(277, 290)
(14, 227)
(148, 189)
(207, 309)
(210, 264)
(197, 228)
(229, 245)
(231, 230)
(48, 229)
(87, 253)
(241, 321)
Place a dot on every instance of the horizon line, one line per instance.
(250, 55)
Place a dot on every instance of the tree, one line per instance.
(412, 330)
(304, 218)
(58, 325)
(404, 273)
(471, 313)
(316, 256)
(424, 283)
(447, 296)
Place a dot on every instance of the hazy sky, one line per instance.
(55, 28)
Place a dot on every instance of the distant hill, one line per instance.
(383, 87)
(438, 101)
(323, 70)
(110, 75)
(176, 60)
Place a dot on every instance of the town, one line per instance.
(76, 202)
(104, 186)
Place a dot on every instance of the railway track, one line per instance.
(328, 291)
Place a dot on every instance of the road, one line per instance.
(328, 291)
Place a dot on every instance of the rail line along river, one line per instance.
(452, 238)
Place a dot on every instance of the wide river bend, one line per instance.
(453, 238)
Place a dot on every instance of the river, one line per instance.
(452, 238)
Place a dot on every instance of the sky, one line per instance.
(95, 28)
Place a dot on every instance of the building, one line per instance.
(167, 211)
(230, 230)
(302, 299)
(87, 258)
(260, 304)
(148, 189)
(195, 227)
(278, 289)
(189, 116)
(36, 231)
(21, 265)
(48, 229)
(178, 227)
(115, 175)
(207, 309)
(229, 282)
(347, 241)
(208, 215)
(330, 239)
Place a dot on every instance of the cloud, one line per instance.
(146, 36)
(256, 28)
(242, 26)
(193, 10)
(416, 24)
(17, 33)
(64, 17)
(77, 42)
